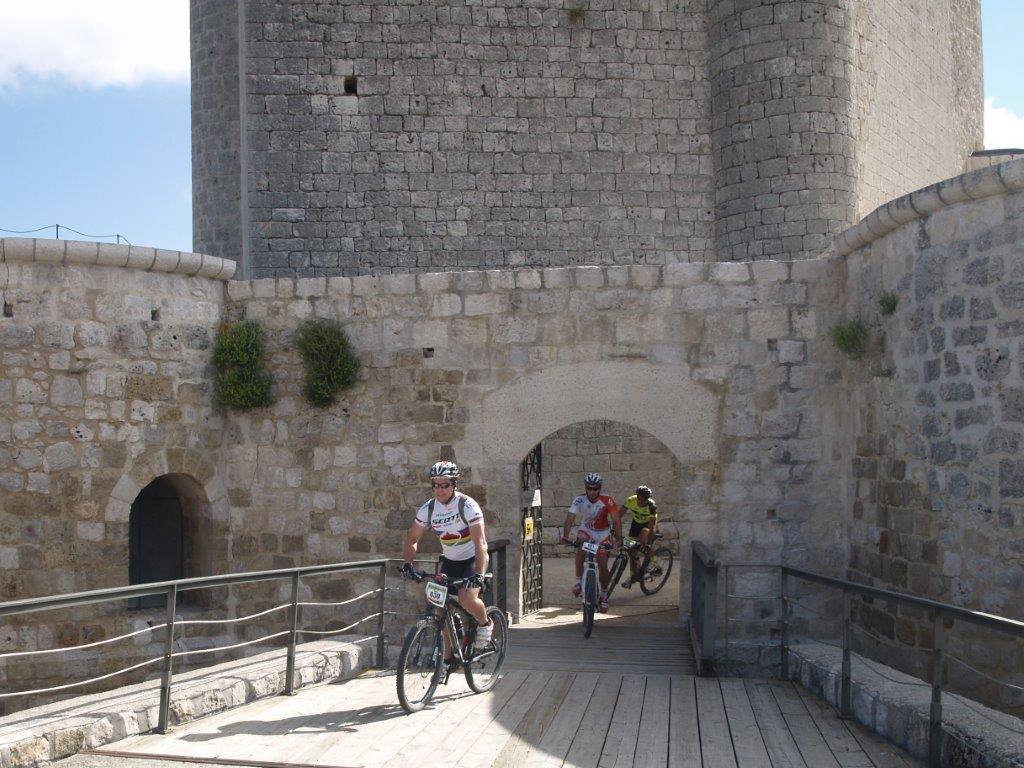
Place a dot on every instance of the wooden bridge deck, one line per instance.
(564, 701)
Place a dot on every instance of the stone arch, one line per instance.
(663, 400)
(204, 508)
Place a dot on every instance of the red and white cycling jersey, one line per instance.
(594, 517)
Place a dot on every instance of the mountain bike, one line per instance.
(421, 666)
(589, 581)
(653, 570)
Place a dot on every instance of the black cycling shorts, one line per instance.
(458, 569)
(635, 528)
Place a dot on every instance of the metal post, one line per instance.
(784, 634)
(380, 616)
(725, 666)
(935, 717)
(289, 675)
(846, 687)
(502, 595)
(165, 682)
(57, 233)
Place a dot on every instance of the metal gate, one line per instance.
(532, 568)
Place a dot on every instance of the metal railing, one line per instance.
(704, 629)
(171, 590)
(703, 606)
(939, 612)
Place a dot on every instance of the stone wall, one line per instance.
(937, 471)
(917, 90)
(441, 135)
(104, 386)
(624, 456)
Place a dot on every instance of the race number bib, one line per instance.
(591, 547)
(436, 593)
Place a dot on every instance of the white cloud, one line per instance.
(1003, 128)
(93, 43)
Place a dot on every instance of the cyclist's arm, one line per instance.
(570, 518)
(476, 532)
(412, 539)
(617, 524)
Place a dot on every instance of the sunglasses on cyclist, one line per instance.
(592, 487)
(444, 486)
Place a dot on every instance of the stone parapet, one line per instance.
(75, 252)
(975, 185)
(40, 735)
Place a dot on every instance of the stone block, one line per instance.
(50, 251)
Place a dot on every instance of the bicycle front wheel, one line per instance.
(589, 602)
(419, 665)
(655, 570)
(618, 568)
(485, 665)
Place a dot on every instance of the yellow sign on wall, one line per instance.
(528, 528)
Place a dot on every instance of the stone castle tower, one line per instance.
(392, 136)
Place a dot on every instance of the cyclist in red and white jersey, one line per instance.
(599, 522)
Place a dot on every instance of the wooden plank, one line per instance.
(843, 744)
(448, 739)
(808, 738)
(684, 730)
(779, 742)
(493, 739)
(715, 739)
(620, 743)
(746, 736)
(850, 736)
(557, 739)
(652, 739)
(585, 751)
(531, 729)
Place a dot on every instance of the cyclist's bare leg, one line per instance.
(634, 554)
(602, 567)
(469, 598)
(580, 555)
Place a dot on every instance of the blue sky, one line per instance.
(101, 143)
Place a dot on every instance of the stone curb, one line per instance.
(896, 706)
(975, 185)
(113, 255)
(38, 736)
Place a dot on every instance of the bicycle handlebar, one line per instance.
(419, 576)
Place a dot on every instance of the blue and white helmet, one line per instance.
(592, 478)
(445, 469)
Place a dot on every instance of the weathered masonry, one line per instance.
(371, 138)
(904, 467)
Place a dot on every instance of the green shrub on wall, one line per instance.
(850, 337)
(331, 365)
(239, 380)
(888, 301)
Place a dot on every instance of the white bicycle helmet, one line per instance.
(445, 469)
(592, 478)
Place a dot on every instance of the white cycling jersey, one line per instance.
(450, 527)
(594, 517)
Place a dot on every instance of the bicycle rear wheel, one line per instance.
(485, 665)
(419, 665)
(589, 602)
(655, 570)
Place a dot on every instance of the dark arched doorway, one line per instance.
(156, 531)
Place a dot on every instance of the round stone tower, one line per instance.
(783, 127)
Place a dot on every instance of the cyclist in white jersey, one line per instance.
(459, 522)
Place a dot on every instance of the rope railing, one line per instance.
(170, 591)
(118, 237)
